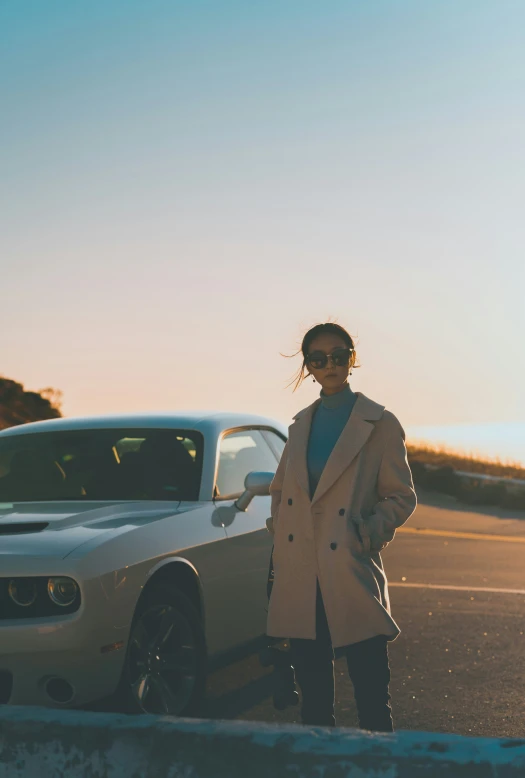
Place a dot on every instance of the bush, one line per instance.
(419, 473)
(479, 493)
(514, 500)
(444, 479)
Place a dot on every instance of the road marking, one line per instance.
(468, 535)
(456, 588)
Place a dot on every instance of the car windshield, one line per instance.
(101, 464)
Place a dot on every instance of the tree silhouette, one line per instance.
(18, 406)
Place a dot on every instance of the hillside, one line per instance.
(440, 456)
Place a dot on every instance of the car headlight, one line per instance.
(62, 591)
(22, 591)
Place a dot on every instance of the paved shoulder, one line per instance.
(444, 513)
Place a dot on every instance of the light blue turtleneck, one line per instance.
(328, 422)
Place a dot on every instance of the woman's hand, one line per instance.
(363, 534)
(395, 489)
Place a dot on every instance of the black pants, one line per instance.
(369, 672)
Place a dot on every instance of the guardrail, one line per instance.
(495, 479)
(44, 743)
(472, 488)
(468, 474)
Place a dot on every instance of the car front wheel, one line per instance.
(165, 668)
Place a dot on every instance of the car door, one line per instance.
(249, 543)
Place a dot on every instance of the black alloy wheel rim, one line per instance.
(162, 661)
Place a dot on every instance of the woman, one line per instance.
(342, 487)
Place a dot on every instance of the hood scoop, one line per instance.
(23, 528)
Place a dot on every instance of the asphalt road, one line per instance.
(458, 594)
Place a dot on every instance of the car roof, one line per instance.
(204, 421)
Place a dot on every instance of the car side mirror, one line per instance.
(255, 484)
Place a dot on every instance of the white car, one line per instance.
(133, 548)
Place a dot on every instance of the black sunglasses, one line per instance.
(339, 356)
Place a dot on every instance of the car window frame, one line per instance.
(268, 440)
(226, 433)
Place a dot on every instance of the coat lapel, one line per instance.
(355, 433)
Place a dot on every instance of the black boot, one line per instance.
(283, 676)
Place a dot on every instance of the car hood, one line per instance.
(58, 528)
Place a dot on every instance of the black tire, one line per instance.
(150, 681)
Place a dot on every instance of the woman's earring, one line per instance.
(313, 379)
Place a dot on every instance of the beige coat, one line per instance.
(364, 493)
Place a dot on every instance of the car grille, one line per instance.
(6, 686)
(18, 529)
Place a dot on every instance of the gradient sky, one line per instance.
(186, 187)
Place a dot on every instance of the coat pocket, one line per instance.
(361, 530)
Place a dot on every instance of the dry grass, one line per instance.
(440, 456)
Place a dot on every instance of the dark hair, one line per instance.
(309, 337)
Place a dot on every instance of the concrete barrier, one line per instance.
(43, 743)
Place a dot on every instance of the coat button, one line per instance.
(341, 511)
(333, 546)
(290, 501)
(290, 538)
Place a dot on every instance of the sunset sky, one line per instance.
(186, 187)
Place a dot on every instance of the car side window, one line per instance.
(241, 452)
